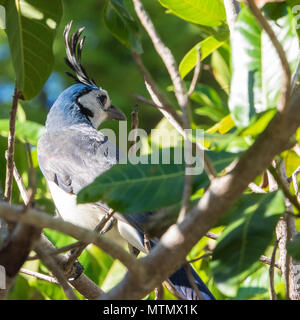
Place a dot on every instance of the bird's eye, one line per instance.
(102, 99)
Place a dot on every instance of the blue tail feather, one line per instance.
(182, 284)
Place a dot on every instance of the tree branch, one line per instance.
(43, 220)
(11, 145)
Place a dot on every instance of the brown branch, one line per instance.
(84, 285)
(293, 199)
(168, 59)
(32, 177)
(73, 256)
(56, 271)
(134, 127)
(43, 220)
(255, 188)
(39, 275)
(192, 282)
(164, 106)
(20, 184)
(205, 255)
(11, 145)
(170, 114)
(272, 291)
(14, 251)
(196, 72)
(267, 261)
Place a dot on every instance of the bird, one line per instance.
(73, 152)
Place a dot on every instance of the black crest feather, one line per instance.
(73, 60)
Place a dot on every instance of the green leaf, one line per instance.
(114, 276)
(207, 46)
(220, 66)
(293, 247)
(250, 230)
(31, 28)
(132, 188)
(256, 285)
(204, 12)
(255, 86)
(27, 131)
(122, 25)
(212, 105)
(258, 123)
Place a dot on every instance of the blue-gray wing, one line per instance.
(75, 156)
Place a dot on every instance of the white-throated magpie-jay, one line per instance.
(72, 153)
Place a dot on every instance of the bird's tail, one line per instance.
(180, 281)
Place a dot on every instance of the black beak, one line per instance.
(115, 114)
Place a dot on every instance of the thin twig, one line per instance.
(196, 72)
(39, 275)
(32, 177)
(134, 127)
(159, 290)
(192, 282)
(77, 252)
(82, 284)
(187, 192)
(293, 199)
(212, 235)
(170, 114)
(167, 57)
(267, 261)
(19, 181)
(204, 256)
(57, 272)
(255, 188)
(164, 106)
(145, 100)
(272, 291)
(11, 145)
(58, 250)
(286, 72)
(293, 178)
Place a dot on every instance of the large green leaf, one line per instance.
(204, 12)
(27, 131)
(133, 188)
(250, 230)
(207, 46)
(257, 72)
(220, 66)
(256, 286)
(31, 27)
(122, 25)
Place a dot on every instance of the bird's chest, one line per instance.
(84, 215)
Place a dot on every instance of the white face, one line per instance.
(98, 102)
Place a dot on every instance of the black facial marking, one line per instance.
(85, 111)
(102, 99)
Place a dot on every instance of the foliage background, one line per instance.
(111, 65)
